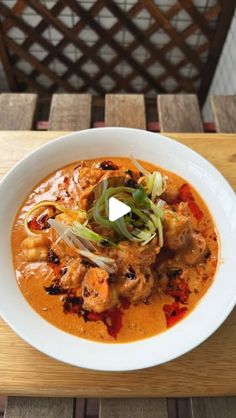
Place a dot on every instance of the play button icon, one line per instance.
(117, 209)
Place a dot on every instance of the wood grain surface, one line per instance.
(208, 370)
(224, 111)
(39, 408)
(70, 111)
(125, 110)
(133, 408)
(214, 407)
(179, 113)
(17, 111)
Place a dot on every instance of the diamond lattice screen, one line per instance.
(107, 46)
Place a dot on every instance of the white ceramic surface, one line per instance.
(214, 307)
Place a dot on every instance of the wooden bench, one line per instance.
(224, 113)
(69, 112)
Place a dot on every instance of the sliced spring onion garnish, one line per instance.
(157, 210)
(140, 196)
(160, 232)
(100, 188)
(139, 166)
(121, 225)
(65, 233)
(161, 203)
(106, 263)
(140, 205)
(82, 246)
(141, 225)
(148, 240)
(157, 188)
(89, 235)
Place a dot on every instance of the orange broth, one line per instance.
(138, 322)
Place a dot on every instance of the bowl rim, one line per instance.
(121, 348)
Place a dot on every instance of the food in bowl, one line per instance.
(118, 281)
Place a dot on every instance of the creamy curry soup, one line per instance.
(115, 281)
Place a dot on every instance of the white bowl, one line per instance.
(209, 314)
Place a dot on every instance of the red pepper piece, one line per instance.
(185, 194)
(178, 289)
(174, 313)
(94, 316)
(112, 318)
(113, 322)
(196, 211)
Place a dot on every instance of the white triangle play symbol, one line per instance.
(117, 209)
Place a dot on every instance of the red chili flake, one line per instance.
(66, 180)
(55, 289)
(185, 195)
(56, 269)
(109, 165)
(178, 289)
(174, 313)
(35, 225)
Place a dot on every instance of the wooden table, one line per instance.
(208, 370)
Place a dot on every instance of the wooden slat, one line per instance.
(70, 112)
(2, 405)
(133, 408)
(17, 111)
(6, 63)
(125, 110)
(179, 113)
(179, 408)
(17, 9)
(214, 407)
(39, 408)
(92, 408)
(80, 408)
(224, 113)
